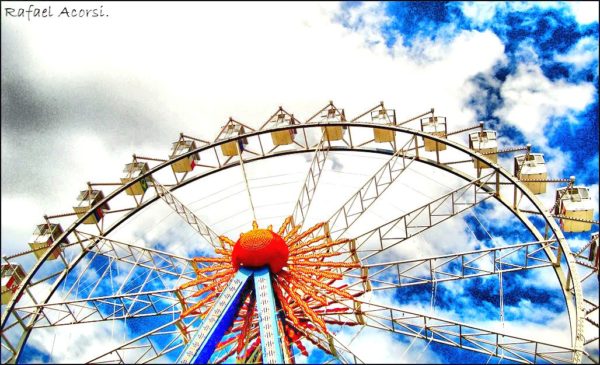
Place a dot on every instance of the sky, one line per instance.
(81, 95)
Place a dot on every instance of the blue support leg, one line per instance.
(217, 322)
(270, 338)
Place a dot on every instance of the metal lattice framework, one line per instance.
(57, 292)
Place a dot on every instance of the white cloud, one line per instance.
(584, 52)
(368, 19)
(16, 223)
(71, 344)
(585, 12)
(594, 196)
(531, 100)
(483, 12)
(375, 346)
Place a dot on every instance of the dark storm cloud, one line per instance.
(93, 105)
(41, 113)
(23, 109)
(99, 99)
(20, 101)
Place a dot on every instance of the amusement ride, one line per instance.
(247, 287)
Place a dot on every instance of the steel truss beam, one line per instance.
(163, 264)
(587, 263)
(147, 347)
(591, 309)
(155, 260)
(491, 261)
(102, 308)
(436, 211)
(343, 354)
(310, 184)
(372, 189)
(190, 218)
(337, 348)
(82, 310)
(457, 334)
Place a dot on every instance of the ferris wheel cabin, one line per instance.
(484, 142)
(132, 171)
(575, 202)
(285, 137)
(85, 201)
(231, 130)
(333, 115)
(385, 117)
(532, 167)
(43, 237)
(435, 126)
(12, 276)
(186, 164)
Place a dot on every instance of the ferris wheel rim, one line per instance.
(499, 169)
(189, 181)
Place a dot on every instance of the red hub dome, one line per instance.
(260, 247)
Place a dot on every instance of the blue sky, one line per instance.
(529, 70)
(545, 32)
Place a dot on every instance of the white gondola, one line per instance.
(435, 126)
(532, 167)
(43, 237)
(12, 276)
(484, 142)
(132, 171)
(384, 117)
(186, 164)
(85, 201)
(575, 202)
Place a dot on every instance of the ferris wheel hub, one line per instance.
(258, 248)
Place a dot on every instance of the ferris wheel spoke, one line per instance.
(134, 272)
(158, 261)
(310, 184)
(188, 216)
(103, 308)
(333, 345)
(150, 260)
(137, 301)
(460, 335)
(373, 188)
(427, 216)
(333, 114)
(343, 353)
(152, 345)
(458, 266)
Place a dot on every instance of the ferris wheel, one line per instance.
(283, 244)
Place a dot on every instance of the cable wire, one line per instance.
(237, 146)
